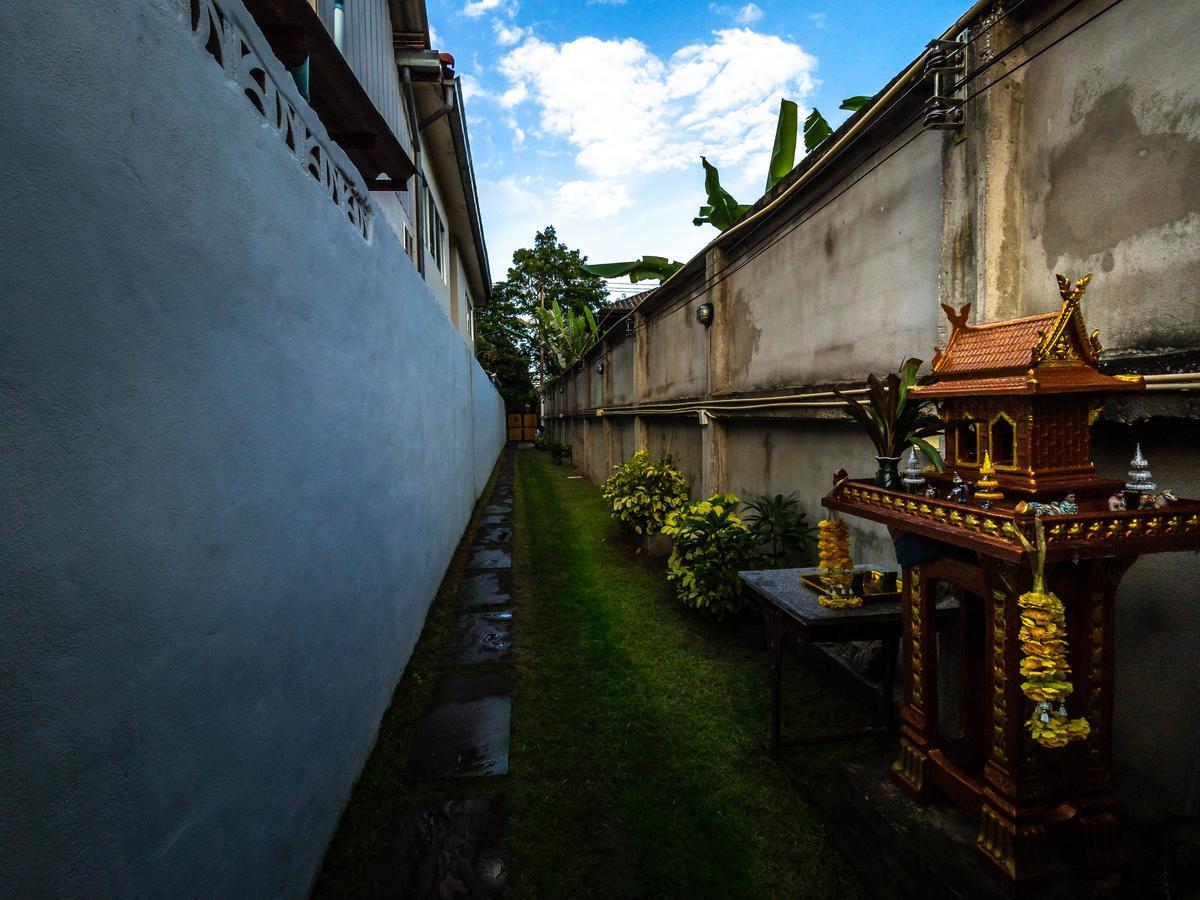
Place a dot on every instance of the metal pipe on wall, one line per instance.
(339, 24)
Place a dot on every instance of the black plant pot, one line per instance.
(888, 473)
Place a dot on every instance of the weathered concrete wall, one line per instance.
(595, 388)
(802, 457)
(240, 442)
(1086, 158)
(676, 365)
(1110, 172)
(680, 439)
(855, 285)
(619, 372)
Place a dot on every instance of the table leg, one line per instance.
(775, 665)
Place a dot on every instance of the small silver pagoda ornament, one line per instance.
(1140, 480)
(913, 480)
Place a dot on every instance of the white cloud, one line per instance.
(518, 132)
(748, 14)
(472, 88)
(626, 110)
(743, 15)
(518, 93)
(476, 8)
(435, 39)
(591, 199)
(615, 135)
(513, 194)
(819, 20)
(507, 35)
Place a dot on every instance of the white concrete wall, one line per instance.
(239, 442)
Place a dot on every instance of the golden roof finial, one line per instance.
(1056, 344)
(1073, 294)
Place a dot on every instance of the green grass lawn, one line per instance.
(637, 764)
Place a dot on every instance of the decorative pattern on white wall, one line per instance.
(221, 36)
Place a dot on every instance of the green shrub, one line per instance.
(541, 441)
(561, 453)
(781, 531)
(711, 545)
(642, 491)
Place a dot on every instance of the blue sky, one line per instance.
(592, 116)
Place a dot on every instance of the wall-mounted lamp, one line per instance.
(704, 314)
(600, 368)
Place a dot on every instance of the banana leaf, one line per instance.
(648, 268)
(722, 210)
(783, 154)
(816, 130)
(854, 104)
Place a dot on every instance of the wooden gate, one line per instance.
(522, 426)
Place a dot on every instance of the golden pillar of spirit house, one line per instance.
(1023, 393)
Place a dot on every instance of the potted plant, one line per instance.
(642, 491)
(711, 544)
(893, 420)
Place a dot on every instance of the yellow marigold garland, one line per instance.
(837, 569)
(1044, 663)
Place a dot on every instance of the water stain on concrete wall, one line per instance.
(744, 338)
(1113, 182)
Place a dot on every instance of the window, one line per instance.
(1002, 441)
(434, 229)
(966, 442)
(410, 245)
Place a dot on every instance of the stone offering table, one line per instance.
(792, 612)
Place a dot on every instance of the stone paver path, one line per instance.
(455, 846)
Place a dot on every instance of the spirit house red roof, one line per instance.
(1050, 353)
(1024, 393)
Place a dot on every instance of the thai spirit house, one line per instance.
(1019, 397)
(1024, 392)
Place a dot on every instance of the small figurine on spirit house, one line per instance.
(1025, 393)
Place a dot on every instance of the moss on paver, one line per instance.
(637, 759)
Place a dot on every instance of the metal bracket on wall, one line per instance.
(946, 64)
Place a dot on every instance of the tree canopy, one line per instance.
(512, 339)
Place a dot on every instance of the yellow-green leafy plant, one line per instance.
(711, 544)
(643, 491)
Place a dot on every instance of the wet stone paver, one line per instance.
(486, 589)
(466, 732)
(454, 847)
(481, 638)
(494, 534)
(448, 848)
(489, 558)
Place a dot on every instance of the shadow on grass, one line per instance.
(637, 760)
